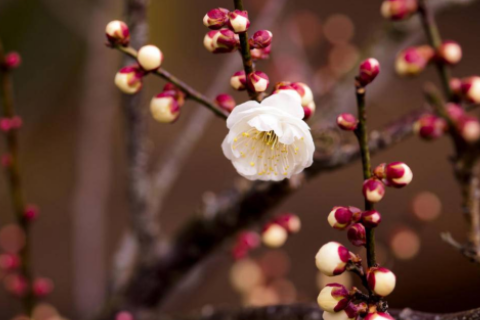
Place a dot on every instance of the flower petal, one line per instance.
(287, 101)
(238, 112)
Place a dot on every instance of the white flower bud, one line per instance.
(381, 281)
(117, 33)
(238, 22)
(129, 79)
(333, 298)
(332, 258)
(239, 81)
(259, 81)
(340, 218)
(450, 52)
(150, 57)
(274, 235)
(398, 174)
(373, 190)
(164, 108)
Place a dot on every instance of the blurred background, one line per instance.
(73, 152)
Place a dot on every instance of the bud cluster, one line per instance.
(306, 95)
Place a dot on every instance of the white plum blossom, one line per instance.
(269, 140)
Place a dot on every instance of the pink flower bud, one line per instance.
(290, 222)
(117, 33)
(304, 91)
(430, 127)
(216, 18)
(129, 79)
(356, 213)
(150, 57)
(6, 160)
(164, 108)
(332, 258)
(259, 81)
(357, 234)
(9, 261)
(174, 91)
(30, 213)
(309, 110)
(333, 298)
(454, 111)
(379, 316)
(261, 39)
(42, 287)
(398, 174)
(373, 190)
(371, 219)
(340, 218)
(16, 284)
(261, 54)
(347, 121)
(413, 60)
(220, 41)
(379, 171)
(449, 52)
(225, 102)
(12, 60)
(239, 81)
(238, 21)
(469, 128)
(274, 235)
(368, 71)
(471, 89)
(398, 9)
(381, 281)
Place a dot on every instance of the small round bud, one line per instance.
(356, 214)
(42, 287)
(469, 128)
(216, 18)
(274, 235)
(332, 258)
(379, 171)
(164, 108)
(357, 234)
(373, 190)
(259, 81)
(238, 21)
(9, 261)
(449, 52)
(398, 174)
(371, 219)
(30, 213)
(471, 89)
(261, 39)
(347, 121)
(379, 316)
(129, 79)
(412, 61)
(290, 222)
(333, 298)
(305, 93)
(261, 54)
(368, 71)
(117, 33)
(225, 102)
(150, 57)
(340, 218)
(430, 127)
(12, 60)
(381, 281)
(239, 81)
(220, 41)
(398, 9)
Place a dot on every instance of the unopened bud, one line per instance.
(261, 39)
(178, 94)
(471, 89)
(239, 81)
(129, 79)
(30, 213)
(164, 108)
(216, 18)
(9, 261)
(220, 41)
(340, 218)
(261, 54)
(258, 81)
(42, 287)
(398, 174)
(333, 298)
(238, 21)
(356, 213)
(379, 316)
(371, 219)
(304, 91)
(117, 33)
(430, 127)
(379, 171)
(309, 110)
(8, 124)
(274, 235)
(349, 313)
(150, 57)
(332, 258)
(347, 121)
(469, 128)
(225, 102)
(357, 234)
(368, 71)
(12, 60)
(398, 9)
(449, 52)
(290, 222)
(381, 281)
(412, 61)
(373, 190)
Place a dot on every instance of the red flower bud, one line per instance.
(371, 219)
(174, 91)
(220, 41)
(30, 213)
(42, 287)
(12, 60)
(291, 222)
(347, 121)
(449, 52)
(261, 39)
(368, 71)
(373, 190)
(117, 33)
(430, 127)
(305, 93)
(225, 102)
(239, 81)
(259, 81)
(340, 218)
(398, 174)
(356, 213)
(413, 60)
(216, 18)
(238, 21)
(357, 234)
(398, 9)
(261, 54)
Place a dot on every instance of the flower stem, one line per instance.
(14, 180)
(435, 40)
(189, 91)
(362, 136)
(246, 56)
